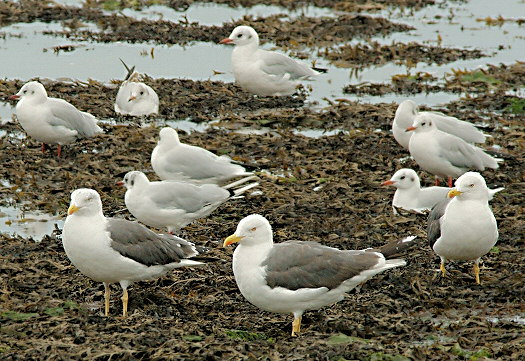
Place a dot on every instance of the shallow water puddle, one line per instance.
(34, 225)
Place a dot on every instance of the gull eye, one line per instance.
(253, 229)
(25, 91)
(132, 182)
(142, 92)
(403, 177)
(471, 185)
(239, 36)
(423, 123)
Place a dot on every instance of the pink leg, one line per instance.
(437, 181)
(59, 151)
(43, 148)
(450, 182)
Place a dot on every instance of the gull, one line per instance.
(51, 120)
(443, 154)
(113, 250)
(407, 111)
(173, 204)
(264, 72)
(134, 97)
(295, 276)
(173, 160)
(410, 196)
(464, 227)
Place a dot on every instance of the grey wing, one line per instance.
(466, 131)
(68, 116)
(434, 219)
(294, 265)
(186, 196)
(460, 153)
(280, 64)
(135, 241)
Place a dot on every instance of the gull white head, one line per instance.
(470, 185)
(422, 123)
(241, 36)
(134, 179)
(405, 178)
(251, 230)
(169, 136)
(32, 91)
(85, 202)
(405, 113)
(138, 92)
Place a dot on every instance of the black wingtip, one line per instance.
(130, 71)
(320, 70)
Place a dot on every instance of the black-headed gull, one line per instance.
(136, 98)
(264, 72)
(51, 120)
(407, 111)
(464, 227)
(444, 154)
(173, 204)
(111, 250)
(173, 160)
(295, 276)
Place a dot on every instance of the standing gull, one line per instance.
(264, 72)
(295, 276)
(113, 250)
(443, 154)
(173, 204)
(51, 120)
(463, 228)
(173, 160)
(407, 111)
(409, 194)
(134, 97)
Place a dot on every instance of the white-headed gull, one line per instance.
(173, 204)
(464, 227)
(444, 154)
(51, 120)
(295, 276)
(173, 160)
(113, 250)
(264, 72)
(407, 111)
(135, 97)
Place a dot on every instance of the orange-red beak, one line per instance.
(226, 41)
(409, 129)
(388, 183)
(14, 97)
(119, 183)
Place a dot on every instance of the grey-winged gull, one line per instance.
(113, 250)
(410, 195)
(173, 160)
(295, 276)
(51, 120)
(264, 72)
(443, 154)
(173, 204)
(408, 110)
(134, 97)
(464, 227)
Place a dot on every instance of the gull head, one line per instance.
(470, 185)
(138, 92)
(404, 179)
(85, 202)
(251, 231)
(169, 136)
(134, 179)
(242, 35)
(422, 123)
(405, 113)
(32, 91)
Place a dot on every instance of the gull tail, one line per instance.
(237, 193)
(394, 248)
(240, 181)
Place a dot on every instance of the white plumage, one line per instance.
(136, 98)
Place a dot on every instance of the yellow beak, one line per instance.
(72, 209)
(453, 193)
(232, 239)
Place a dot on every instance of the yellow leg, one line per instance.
(296, 325)
(476, 272)
(107, 293)
(125, 303)
(443, 269)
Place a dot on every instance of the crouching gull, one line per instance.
(407, 111)
(295, 276)
(264, 72)
(51, 120)
(443, 154)
(134, 97)
(463, 227)
(410, 196)
(173, 160)
(113, 250)
(173, 204)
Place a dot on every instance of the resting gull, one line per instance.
(295, 276)
(407, 111)
(410, 196)
(113, 250)
(173, 160)
(463, 228)
(134, 97)
(173, 204)
(264, 72)
(51, 120)
(443, 154)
